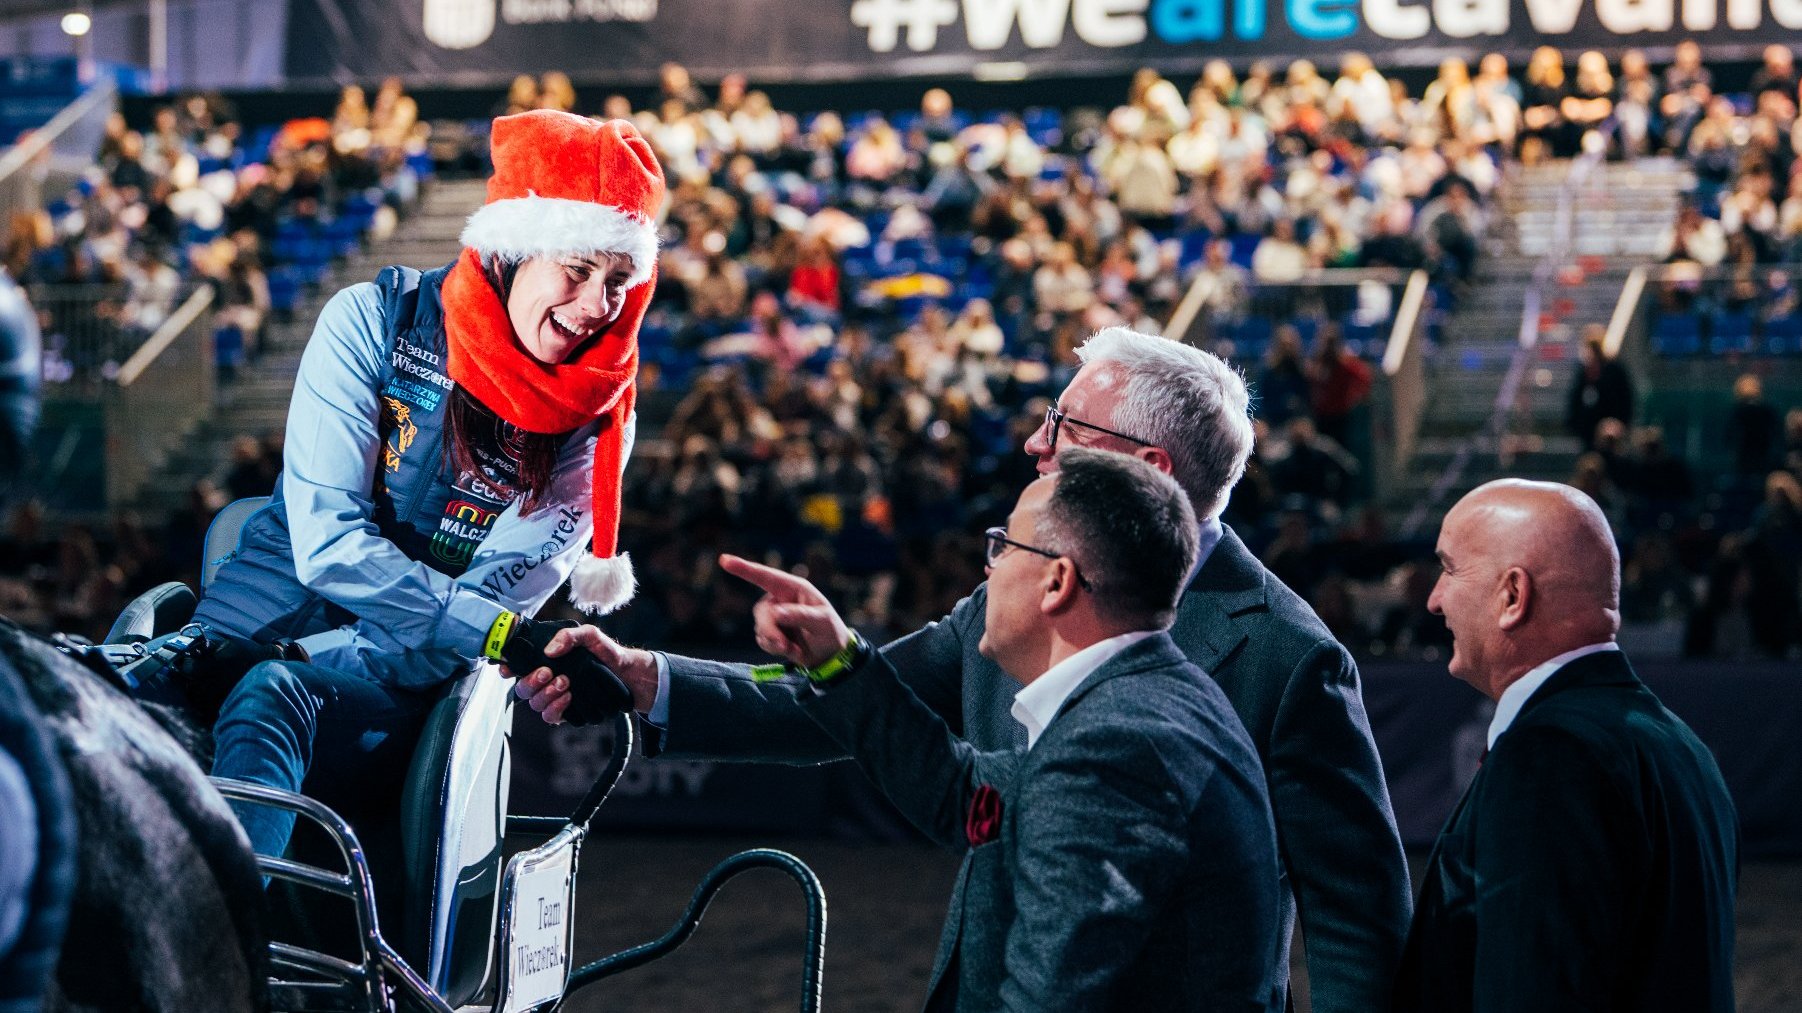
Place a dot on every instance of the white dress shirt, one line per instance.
(1039, 700)
(1522, 689)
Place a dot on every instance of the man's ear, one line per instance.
(1059, 587)
(1157, 457)
(1517, 598)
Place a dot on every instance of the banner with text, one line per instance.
(476, 41)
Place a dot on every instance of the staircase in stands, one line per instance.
(256, 403)
(1618, 217)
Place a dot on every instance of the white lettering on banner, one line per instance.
(1462, 19)
(1787, 13)
(458, 24)
(1744, 14)
(1110, 22)
(885, 18)
(1625, 16)
(1698, 15)
(540, 12)
(1551, 17)
(989, 22)
(1391, 20)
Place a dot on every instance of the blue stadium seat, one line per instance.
(1676, 334)
(1783, 335)
(1731, 332)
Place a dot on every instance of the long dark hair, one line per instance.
(473, 424)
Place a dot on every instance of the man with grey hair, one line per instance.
(1592, 862)
(1295, 688)
(1133, 756)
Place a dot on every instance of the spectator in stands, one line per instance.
(1497, 98)
(757, 127)
(1278, 257)
(1338, 383)
(1753, 431)
(556, 91)
(1545, 131)
(1774, 566)
(675, 85)
(813, 286)
(1776, 74)
(1694, 238)
(522, 96)
(1448, 227)
(1061, 285)
(1143, 181)
(1590, 103)
(1601, 389)
(1636, 106)
(1450, 103)
(1361, 94)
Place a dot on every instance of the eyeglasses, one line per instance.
(996, 543)
(1055, 419)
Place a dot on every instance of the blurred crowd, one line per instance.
(193, 199)
(861, 316)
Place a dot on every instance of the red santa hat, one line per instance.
(562, 185)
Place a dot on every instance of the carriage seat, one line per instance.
(453, 807)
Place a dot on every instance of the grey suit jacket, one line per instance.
(1135, 864)
(1294, 687)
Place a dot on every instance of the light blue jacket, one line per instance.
(320, 564)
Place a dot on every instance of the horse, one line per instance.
(166, 909)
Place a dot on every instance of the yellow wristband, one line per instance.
(497, 635)
(848, 657)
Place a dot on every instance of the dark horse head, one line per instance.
(165, 907)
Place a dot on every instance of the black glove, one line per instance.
(219, 663)
(595, 693)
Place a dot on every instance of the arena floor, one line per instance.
(885, 903)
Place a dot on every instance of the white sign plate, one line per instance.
(538, 938)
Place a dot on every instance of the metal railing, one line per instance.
(161, 392)
(54, 155)
(1405, 377)
(1685, 309)
(1363, 302)
(88, 332)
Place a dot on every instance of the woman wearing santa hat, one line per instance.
(455, 441)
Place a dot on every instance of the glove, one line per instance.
(595, 692)
(219, 663)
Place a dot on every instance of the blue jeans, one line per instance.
(331, 735)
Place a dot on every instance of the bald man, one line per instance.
(1592, 862)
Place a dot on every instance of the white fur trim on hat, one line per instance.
(522, 227)
(600, 586)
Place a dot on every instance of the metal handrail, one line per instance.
(165, 335)
(1183, 318)
(1404, 367)
(39, 140)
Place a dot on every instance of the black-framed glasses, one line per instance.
(1055, 419)
(995, 543)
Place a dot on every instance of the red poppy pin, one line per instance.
(983, 824)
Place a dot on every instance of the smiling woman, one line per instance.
(454, 447)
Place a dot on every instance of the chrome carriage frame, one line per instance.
(466, 943)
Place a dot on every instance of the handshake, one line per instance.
(561, 682)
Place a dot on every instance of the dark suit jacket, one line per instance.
(1135, 867)
(1294, 687)
(1590, 865)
